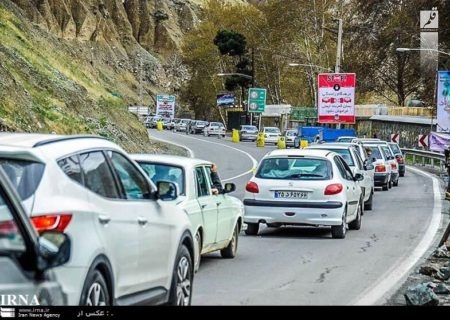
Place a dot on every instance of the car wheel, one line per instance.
(396, 183)
(181, 287)
(95, 290)
(369, 203)
(338, 232)
(356, 224)
(402, 174)
(390, 183)
(230, 251)
(198, 251)
(252, 229)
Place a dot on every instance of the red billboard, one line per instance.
(336, 98)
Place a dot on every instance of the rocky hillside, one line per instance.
(73, 66)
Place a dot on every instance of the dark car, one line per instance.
(399, 156)
(26, 259)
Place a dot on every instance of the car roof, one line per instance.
(33, 140)
(169, 159)
(299, 152)
(330, 146)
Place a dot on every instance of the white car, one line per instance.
(271, 134)
(353, 159)
(383, 167)
(128, 245)
(303, 187)
(214, 128)
(216, 219)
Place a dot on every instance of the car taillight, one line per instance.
(399, 159)
(252, 187)
(334, 188)
(8, 227)
(56, 222)
(380, 168)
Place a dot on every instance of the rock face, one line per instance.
(156, 25)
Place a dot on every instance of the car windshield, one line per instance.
(24, 175)
(291, 133)
(272, 130)
(253, 128)
(344, 153)
(294, 169)
(158, 172)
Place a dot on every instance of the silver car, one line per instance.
(26, 259)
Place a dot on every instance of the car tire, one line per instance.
(402, 174)
(390, 183)
(95, 290)
(356, 224)
(182, 276)
(339, 232)
(369, 203)
(395, 183)
(252, 229)
(385, 187)
(229, 252)
(198, 244)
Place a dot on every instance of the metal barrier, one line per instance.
(424, 158)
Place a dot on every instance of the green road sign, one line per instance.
(256, 100)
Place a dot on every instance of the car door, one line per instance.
(154, 228)
(367, 182)
(19, 281)
(352, 190)
(226, 213)
(116, 221)
(208, 206)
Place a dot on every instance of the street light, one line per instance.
(421, 49)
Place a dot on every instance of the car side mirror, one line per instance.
(53, 249)
(229, 187)
(358, 177)
(368, 167)
(167, 191)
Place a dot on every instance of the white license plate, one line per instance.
(291, 194)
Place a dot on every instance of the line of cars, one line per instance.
(132, 238)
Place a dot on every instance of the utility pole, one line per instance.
(337, 68)
(253, 83)
(140, 82)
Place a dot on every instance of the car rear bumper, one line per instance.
(248, 136)
(294, 213)
(380, 179)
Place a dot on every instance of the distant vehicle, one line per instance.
(271, 134)
(197, 126)
(303, 187)
(248, 132)
(289, 137)
(399, 156)
(214, 128)
(217, 219)
(345, 139)
(26, 259)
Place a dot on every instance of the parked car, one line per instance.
(129, 246)
(303, 187)
(214, 128)
(182, 124)
(216, 219)
(399, 157)
(197, 126)
(354, 161)
(27, 259)
(289, 137)
(248, 132)
(271, 134)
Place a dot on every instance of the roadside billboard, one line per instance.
(443, 101)
(165, 105)
(336, 98)
(225, 100)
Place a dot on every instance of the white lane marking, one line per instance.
(191, 153)
(254, 162)
(398, 271)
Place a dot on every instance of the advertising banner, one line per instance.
(439, 141)
(443, 101)
(225, 100)
(336, 98)
(165, 105)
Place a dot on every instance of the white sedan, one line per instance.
(216, 219)
(303, 187)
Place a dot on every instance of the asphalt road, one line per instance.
(305, 266)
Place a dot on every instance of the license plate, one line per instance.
(291, 194)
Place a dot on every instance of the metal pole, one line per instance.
(337, 68)
(253, 81)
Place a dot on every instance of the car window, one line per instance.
(376, 153)
(159, 171)
(25, 175)
(359, 161)
(387, 152)
(294, 169)
(343, 168)
(134, 184)
(11, 238)
(202, 182)
(395, 148)
(71, 167)
(97, 175)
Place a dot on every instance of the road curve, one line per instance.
(305, 266)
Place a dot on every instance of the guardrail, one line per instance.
(424, 158)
